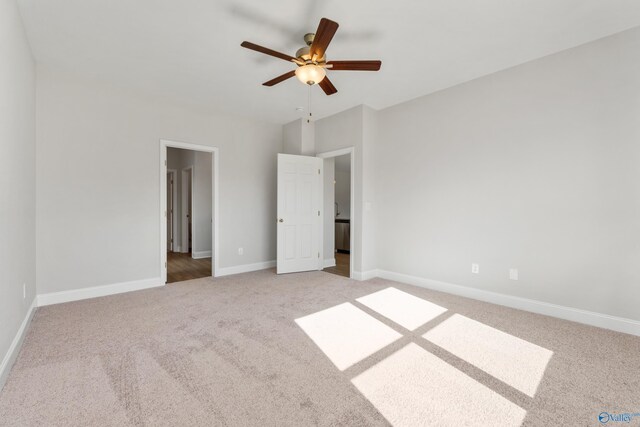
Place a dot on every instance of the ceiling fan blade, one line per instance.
(279, 79)
(327, 86)
(267, 51)
(354, 65)
(325, 32)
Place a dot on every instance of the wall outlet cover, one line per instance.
(513, 274)
(475, 268)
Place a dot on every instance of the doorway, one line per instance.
(339, 208)
(189, 206)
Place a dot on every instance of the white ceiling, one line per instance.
(189, 50)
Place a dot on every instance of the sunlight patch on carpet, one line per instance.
(413, 387)
(405, 309)
(346, 334)
(510, 359)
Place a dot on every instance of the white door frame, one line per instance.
(164, 144)
(336, 153)
(174, 194)
(188, 171)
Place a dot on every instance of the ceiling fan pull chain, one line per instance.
(309, 106)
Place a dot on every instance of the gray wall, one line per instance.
(98, 217)
(292, 138)
(343, 193)
(536, 168)
(17, 177)
(298, 138)
(202, 203)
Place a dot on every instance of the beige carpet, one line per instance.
(313, 349)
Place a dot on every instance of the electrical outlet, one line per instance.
(240, 251)
(513, 274)
(24, 290)
(475, 268)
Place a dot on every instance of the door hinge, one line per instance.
(318, 254)
(165, 163)
(318, 213)
(318, 171)
(165, 264)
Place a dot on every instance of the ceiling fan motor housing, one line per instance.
(308, 38)
(303, 53)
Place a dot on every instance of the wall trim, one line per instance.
(201, 254)
(606, 321)
(97, 291)
(12, 353)
(364, 275)
(246, 268)
(329, 262)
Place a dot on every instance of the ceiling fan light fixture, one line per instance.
(311, 60)
(310, 74)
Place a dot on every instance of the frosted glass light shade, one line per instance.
(310, 74)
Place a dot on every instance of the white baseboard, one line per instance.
(97, 291)
(330, 262)
(364, 275)
(201, 254)
(14, 348)
(600, 320)
(245, 268)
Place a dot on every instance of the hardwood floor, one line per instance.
(182, 267)
(342, 265)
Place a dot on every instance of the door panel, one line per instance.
(299, 213)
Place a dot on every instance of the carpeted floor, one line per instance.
(252, 350)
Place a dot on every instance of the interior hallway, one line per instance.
(181, 267)
(342, 265)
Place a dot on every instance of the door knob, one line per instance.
(281, 220)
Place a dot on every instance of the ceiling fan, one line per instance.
(311, 59)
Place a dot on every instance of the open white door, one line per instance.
(299, 213)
